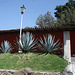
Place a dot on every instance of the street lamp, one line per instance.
(22, 11)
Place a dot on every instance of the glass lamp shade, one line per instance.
(22, 9)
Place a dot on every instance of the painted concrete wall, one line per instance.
(72, 38)
(58, 35)
(67, 47)
(12, 37)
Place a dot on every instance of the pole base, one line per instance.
(19, 51)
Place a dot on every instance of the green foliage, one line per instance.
(5, 47)
(48, 45)
(62, 8)
(71, 2)
(68, 18)
(65, 14)
(59, 10)
(27, 43)
(28, 27)
(45, 20)
(48, 63)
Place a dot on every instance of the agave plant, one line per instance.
(48, 45)
(5, 47)
(27, 43)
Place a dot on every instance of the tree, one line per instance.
(65, 14)
(68, 18)
(28, 27)
(61, 8)
(45, 20)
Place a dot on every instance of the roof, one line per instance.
(52, 29)
(49, 29)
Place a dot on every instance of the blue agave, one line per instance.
(48, 45)
(5, 47)
(27, 43)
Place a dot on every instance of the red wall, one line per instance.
(72, 38)
(11, 38)
(58, 35)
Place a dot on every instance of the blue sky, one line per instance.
(10, 16)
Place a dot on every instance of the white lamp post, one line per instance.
(22, 11)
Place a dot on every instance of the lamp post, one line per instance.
(22, 11)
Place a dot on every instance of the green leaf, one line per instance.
(28, 42)
(48, 45)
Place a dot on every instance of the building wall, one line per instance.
(11, 37)
(72, 38)
(58, 35)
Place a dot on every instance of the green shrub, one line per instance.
(5, 47)
(27, 43)
(48, 45)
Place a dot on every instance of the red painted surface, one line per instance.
(58, 35)
(11, 38)
(72, 38)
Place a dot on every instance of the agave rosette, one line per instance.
(27, 43)
(48, 45)
(5, 47)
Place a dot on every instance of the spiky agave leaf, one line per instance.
(27, 43)
(5, 47)
(48, 45)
